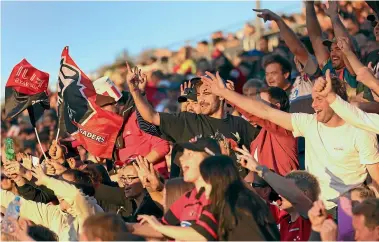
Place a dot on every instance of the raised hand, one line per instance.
(246, 159)
(230, 85)
(143, 82)
(41, 177)
(343, 44)
(27, 161)
(14, 168)
(56, 167)
(267, 15)
(317, 215)
(332, 9)
(323, 86)
(132, 78)
(215, 83)
(328, 230)
(147, 174)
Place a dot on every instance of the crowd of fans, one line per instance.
(244, 137)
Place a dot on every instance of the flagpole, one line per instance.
(56, 138)
(40, 145)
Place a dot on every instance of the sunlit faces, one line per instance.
(209, 103)
(324, 113)
(275, 76)
(190, 163)
(336, 57)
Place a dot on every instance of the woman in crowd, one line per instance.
(238, 214)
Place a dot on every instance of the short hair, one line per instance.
(339, 87)
(254, 83)
(369, 208)
(105, 226)
(275, 58)
(278, 95)
(41, 233)
(306, 182)
(364, 192)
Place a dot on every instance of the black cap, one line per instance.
(207, 145)
(189, 93)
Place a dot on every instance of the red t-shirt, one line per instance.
(138, 142)
(300, 230)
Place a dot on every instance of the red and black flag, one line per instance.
(26, 89)
(79, 115)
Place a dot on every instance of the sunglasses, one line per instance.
(374, 23)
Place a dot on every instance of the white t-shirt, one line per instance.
(336, 156)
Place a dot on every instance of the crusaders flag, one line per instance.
(26, 89)
(79, 115)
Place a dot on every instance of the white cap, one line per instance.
(106, 87)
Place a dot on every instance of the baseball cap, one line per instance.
(328, 43)
(207, 145)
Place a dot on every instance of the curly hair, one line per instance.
(306, 182)
(339, 87)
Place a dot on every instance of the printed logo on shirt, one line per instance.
(237, 135)
(338, 148)
(185, 224)
(293, 230)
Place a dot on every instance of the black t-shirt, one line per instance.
(372, 57)
(184, 126)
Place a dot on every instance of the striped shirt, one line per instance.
(190, 210)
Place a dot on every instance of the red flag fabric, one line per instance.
(26, 88)
(94, 128)
(26, 79)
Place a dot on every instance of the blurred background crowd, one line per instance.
(238, 56)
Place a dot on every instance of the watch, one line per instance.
(261, 170)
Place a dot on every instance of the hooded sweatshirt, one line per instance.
(66, 225)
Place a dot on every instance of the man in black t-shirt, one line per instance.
(185, 126)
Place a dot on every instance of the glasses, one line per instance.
(128, 179)
(374, 23)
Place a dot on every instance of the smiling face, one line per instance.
(336, 56)
(324, 112)
(209, 103)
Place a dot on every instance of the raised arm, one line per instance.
(283, 186)
(339, 29)
(287, 34)
(255, 107)
(364, 74)
(315, 34)
(133, 80)
(346, 111)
